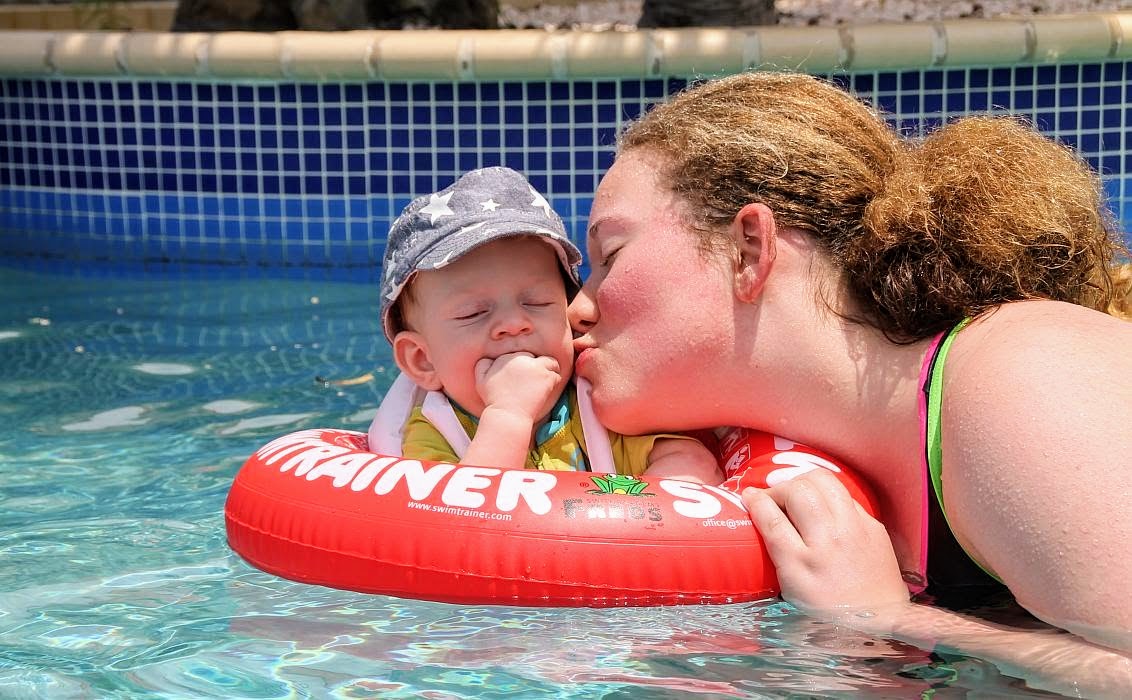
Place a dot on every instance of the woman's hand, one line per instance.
(831, 556)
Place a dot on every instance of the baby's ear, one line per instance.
(410, 352)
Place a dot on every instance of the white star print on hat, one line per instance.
(540, 202)
(437, 207)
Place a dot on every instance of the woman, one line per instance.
(767, 252)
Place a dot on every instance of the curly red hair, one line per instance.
(983, 211)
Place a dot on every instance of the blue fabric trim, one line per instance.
(556, 420)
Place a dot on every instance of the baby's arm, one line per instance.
(516, 389)
(686, 459)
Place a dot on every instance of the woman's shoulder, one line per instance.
(1023, 338)
(1042, 312)
(1036, 407)
(1037, 383)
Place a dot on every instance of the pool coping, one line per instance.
(422, 55)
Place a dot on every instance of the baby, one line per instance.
(475, 285)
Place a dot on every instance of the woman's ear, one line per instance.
(410, 352)
(756, 236)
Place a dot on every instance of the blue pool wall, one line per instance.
(309, 174)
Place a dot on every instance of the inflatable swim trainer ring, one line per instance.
(317, 506)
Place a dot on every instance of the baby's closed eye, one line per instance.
(468, 314)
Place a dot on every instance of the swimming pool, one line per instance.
(189, 229)
(130, 404)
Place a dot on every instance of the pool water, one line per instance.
(128, 405)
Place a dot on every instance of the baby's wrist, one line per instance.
(511, 416)
(502, 439)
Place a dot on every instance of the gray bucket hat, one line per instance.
(481, 206)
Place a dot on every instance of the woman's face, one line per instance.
(655, 315)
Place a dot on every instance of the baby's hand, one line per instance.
(519, 382)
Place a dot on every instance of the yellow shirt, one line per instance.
(559, 442)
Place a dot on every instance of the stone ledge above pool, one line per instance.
(413, 55)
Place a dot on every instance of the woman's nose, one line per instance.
(582, 311)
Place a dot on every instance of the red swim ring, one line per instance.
(315, 506)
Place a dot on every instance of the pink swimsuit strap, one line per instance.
(925, 370)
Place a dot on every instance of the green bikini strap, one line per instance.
(934, 419)
(935, 427)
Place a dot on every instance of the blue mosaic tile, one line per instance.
(162, 167)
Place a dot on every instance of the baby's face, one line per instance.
(506, 296)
